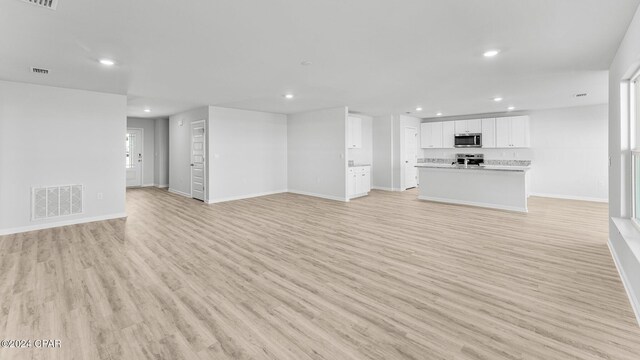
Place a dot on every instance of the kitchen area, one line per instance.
(456, 167)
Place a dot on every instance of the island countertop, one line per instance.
(474, 167)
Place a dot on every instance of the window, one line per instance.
(635, 153)
(129, 145)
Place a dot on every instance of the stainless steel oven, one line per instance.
(468, 140)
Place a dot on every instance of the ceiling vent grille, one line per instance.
(49, 4)
(40, 71)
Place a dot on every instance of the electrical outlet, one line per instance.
(100, 196)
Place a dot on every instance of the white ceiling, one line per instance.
(375, 56)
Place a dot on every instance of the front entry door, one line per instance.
(411, 157)
(198, 172)
(134, 157)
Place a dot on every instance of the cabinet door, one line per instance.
(425, 135)
(354, 130)
(488, 133)
(436, 135)
(520, 131)
(503, 132)
(366, 180)
(351, 184)
(448, 134)
(474, 126)
(461, 126)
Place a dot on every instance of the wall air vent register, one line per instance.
(48, 202)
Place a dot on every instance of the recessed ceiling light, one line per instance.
(511, 108)
(491, 53)
(288, 96)
(497, 99)
(147, 110)
(418, 108)
(107, 62)
(305, 63)
(439, 114)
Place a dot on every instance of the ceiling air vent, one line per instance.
(581, 95)
(49, 4)
(40, 71)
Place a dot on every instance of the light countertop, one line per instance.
(474, 167)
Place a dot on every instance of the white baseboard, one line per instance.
(635, 305)
(161, 186)
(570, 197)
(61, 223)
(329, 197)
(248, 196)
(384, 188)
(177, 192)
(471, 203)
(147, 185)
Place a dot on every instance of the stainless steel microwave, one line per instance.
(468, 140)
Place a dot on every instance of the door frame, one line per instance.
(143, 157)
(403, 159)
(206, 159)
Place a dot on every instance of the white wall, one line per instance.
(161, 165)
(316, 153)
(148, 160)
(568, 152)
(53, 136)
(382, 153)
(247, 154)
(624, 65)
(364, 155)
(180, 148)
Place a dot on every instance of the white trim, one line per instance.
(329, 197)
(177, 192)
(147, 185)
(248, 196)
(205, 157)
(635, 304)
(61, 223)
(570, 197)
(161, 186)
(382, 188)
(471, 203)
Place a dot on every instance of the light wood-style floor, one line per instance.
(294, 277)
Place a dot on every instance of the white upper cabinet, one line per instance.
(512, 132)
(431, 135)
(488, 133)
(448, 134)
(473, 126)
(354, 132)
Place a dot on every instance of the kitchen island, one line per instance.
(497, 187)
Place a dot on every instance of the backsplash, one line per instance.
(487, 162)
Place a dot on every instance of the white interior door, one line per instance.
(134, 158)
(411, 157)
(198, 167)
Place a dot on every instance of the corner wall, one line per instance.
(53, 136)
(316, 153)
(247, 154)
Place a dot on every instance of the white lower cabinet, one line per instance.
(358, 181)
